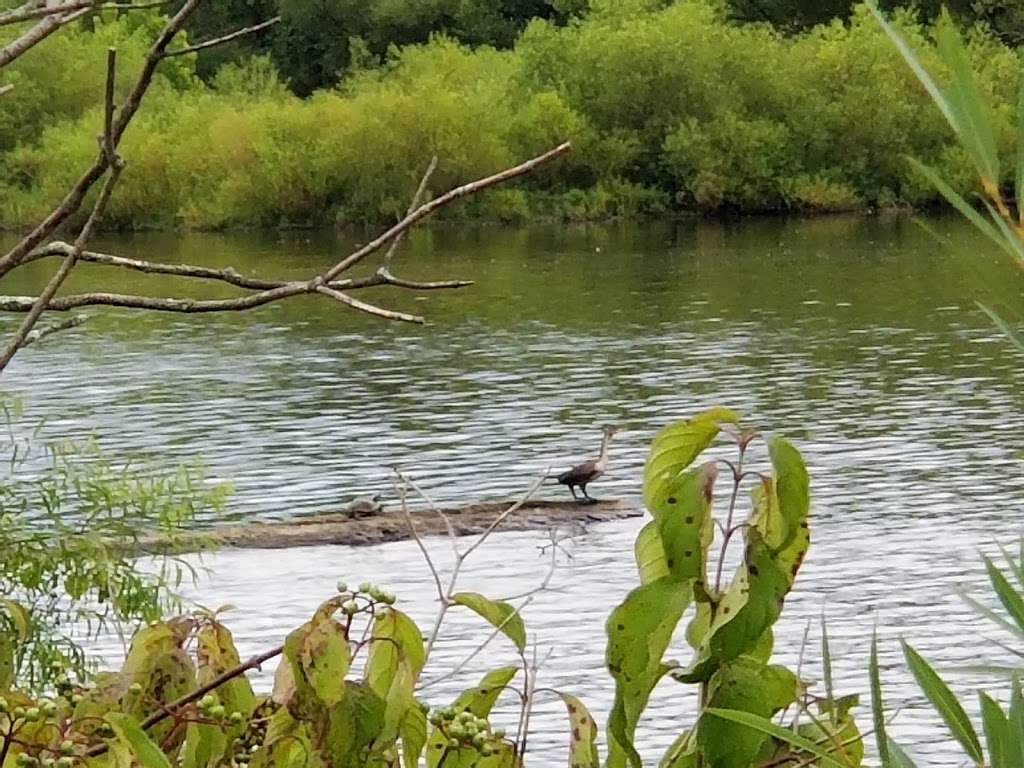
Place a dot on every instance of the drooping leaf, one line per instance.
(204, 746)
(501, 615)
(325, 658)
(749, 686)
(583, 738)
(945, 703)
(216, 654)
(650, 554)
(396, 659)
(792, 491)
(682, 511)
(769, 728)
(143, 748)
(676, 446)
(639, 631)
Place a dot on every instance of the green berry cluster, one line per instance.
(42, 711)
(366, 591)
(210, 708)
(466, 730)
(249, 741)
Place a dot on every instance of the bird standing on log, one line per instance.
(583, 474)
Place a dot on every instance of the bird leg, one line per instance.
(572, 489)
(588, 498)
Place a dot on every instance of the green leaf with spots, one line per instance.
(650, 554)
(777, 540)
(682, 510)
(216, 653)
(501, 615)
(678, 445)
(325, 657)
(143, 748)
(479, 700)
(639, 631)
(6, 661)
(745, 685)
(583, 734)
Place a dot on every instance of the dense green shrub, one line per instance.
(670, 106)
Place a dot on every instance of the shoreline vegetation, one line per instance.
(674, 110)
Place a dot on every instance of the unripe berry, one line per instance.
(135, 688)
(350, 607)
(237, 718)
(207, 701)
(217, 712)
(342, 586)
(32, 714)
(366, 587)
(486, 750)
(65, 762)
(67, 747)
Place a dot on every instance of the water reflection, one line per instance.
(857, 338)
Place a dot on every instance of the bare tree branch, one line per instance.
(38, 334)
(116, 166)
(22, 45)
(230, 275)
(224, 38)
(428, 208)
(371, 309)
(75, 197)
(36, 10)
(412, 207)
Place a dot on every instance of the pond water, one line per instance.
(859, 339)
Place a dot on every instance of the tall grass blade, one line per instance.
(968, 104)
(1008, 596)
(877, 705)
(826, 666)
(1016, 725)
(1015, 566)
(900, 759)
(922, 74)
(969, 211)
(997, 732)
(945, 703)
(1016, 338)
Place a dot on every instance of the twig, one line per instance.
(223, 39)
(412, 207)
(32, 10)
(439, 202)
(116, 165)
(371, 309)
(75, 197)
(38, 334)
(201, 691)
(230, 275)
(22, 45)
(402, 494)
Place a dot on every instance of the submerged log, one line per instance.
(390, 525)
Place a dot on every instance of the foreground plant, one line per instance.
(350, 688)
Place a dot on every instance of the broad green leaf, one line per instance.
(639, 631)
(325, 658)
(945, 703)
(676, 446)
(414, 736)
(396, 659)
(1008, 596)
(501, 615)
(20, 616)
(766, 726)
(583, 734)
(650, 554)
(216, 654)
(878, 705)
(749, 686)
(682, 511)
(204, 746)
(792, 490)
(353, 724)
(683, 752)
(479, 700)
(997, 733)
(130, 733)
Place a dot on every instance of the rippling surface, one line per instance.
(858, 339)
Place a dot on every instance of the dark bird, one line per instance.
(583, 474)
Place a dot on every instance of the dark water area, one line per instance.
(858, 339)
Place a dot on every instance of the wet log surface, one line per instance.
(389, 525)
